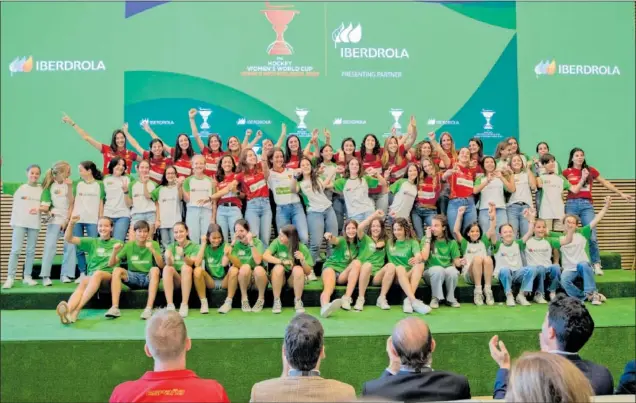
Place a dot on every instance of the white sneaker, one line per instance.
(28, 280)
(490, 299)
(146, 314)
(510, 300)
(346, 303)
(170, 307)
(183, 310)
(382, 303)
(453, 304)
(359, 304)
(434, 303)
(598, 270)
(521, 299)
(46, 281)
(478, 297)
(420, 307)
(113, 312)
(66, 279)
(8, 283)
(539, 299)
(298, 306)
(312, 276)
(258, 306)
(406, 306)
(596, 299)
(204, 306)
(226, 307)
(245, 306)
(277, 307)
(63, 312)
(331, 307)
(80, 278)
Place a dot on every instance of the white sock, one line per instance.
(204, 300)
(478, 288)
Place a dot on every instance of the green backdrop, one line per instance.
(561, 72)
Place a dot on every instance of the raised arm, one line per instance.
(367, 221)
(327, 136)
(569, 235)
(66, 119)
(491, 233)
(312, 142)
(246, 138)
(508, 179)
(609, 186)
(529, 214)
(532, 179)
(151, 133)
(192, 113)
(283, 134)
(601, 214)
(68, 234)
(439, 150)
(133, 142)
(411, 134)
(255, 140)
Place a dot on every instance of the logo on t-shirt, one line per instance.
(100, 251)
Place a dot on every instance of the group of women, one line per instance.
(450, 213)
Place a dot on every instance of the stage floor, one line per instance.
(41, 325)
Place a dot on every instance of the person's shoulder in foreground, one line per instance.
(167, 343)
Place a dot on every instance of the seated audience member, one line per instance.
(548, 378)
(303, 351)
(167, 343)
(627, 383)
(409, 376)
(566, 328)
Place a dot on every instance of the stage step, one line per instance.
(614, 284)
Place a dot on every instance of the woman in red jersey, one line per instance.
(460, 179)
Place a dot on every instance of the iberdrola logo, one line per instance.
(21, 65)
(545, 68)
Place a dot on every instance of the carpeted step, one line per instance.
(614, 284)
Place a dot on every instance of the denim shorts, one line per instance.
(218, 282)
(137, 280)
(150, 217)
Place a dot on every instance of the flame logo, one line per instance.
(337, 121)
(241, 121)
(551, 68)
(346, 35)
(545, 67)
(21, 65)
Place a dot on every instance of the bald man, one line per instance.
(410, 377)
(167, 342)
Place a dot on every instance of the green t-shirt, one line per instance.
(98, 253)
(342, 255)
(244, 252)
(369, 252)
(190, 250)
(138, 258)
(213, 260)
(399, 252)
(281, 251)
(442, 253)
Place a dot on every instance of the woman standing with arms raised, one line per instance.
(156, 156)
(460, 179)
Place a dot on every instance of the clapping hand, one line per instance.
(499, 353)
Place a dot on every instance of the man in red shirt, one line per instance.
(167, 343)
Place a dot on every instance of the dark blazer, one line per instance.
(425, 386)
(627, 383)
(599, 376)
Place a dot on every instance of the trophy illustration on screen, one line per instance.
(279, 17)
(302, 113)
(487, 114)
(205, 114)
(396, 113)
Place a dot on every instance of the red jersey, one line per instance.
(373, 161)
(428, 191)
(109, 154)
(293, 163)
(476, 171)
(230, 197)
(437, 160)
(169, 386)
(342, 160)
(461, 183)
(398, 171)
(253, 183)
(573, 176)
(183, 165)
(157, 166)
(212, 159)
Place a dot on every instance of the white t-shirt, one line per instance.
(539, 251)
(508, 256)
(522, 192)
(199, 188)
(405, 193)
(169, 203)
(470, 250)
(576, 251)
(115, 204)
(140, 203)
(315, 201)
(280, 184)
(356, 194)
(27, 197)
(56, 198)
(493, 192)
(552, 206)
(88, 197)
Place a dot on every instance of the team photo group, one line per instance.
(200, 214)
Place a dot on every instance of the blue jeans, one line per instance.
(19, 233)
(421, 216)
(340, 208)
(167, 237)
(553, 272)
(226, 216)
(360, 217)
(318, 224)
(150, 217)
(293, 214)
(517, 220)
(484, 220)
(381, 201)
(584, 209)
(470, 216)
(53, 233)
(120, 227)
(78, 231)
(524, 275)
(584, 270)
(198, 220)
(259, 216)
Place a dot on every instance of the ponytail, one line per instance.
(90, 166)
(51, 173)
(48, 179)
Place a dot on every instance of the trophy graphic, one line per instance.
(279, 18)
(302, 113)
(487, 114)
(396, 116)
(205, 114)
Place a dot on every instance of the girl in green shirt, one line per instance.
(247, 257)
(372, 251)
(216, 258)
(182, 258)
(98, 251)
(341, 268)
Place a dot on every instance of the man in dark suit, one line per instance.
(409, 377)
(627, 383)
(567, 327)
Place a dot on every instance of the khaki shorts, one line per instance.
(554, 225)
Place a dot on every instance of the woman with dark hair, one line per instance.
(428, 191)
(448, 149)
(346, 153)
(371, 157)
(228, 209)
(293, 150)
(157, 156)
(579, 199)
(168, 197)
(117, 147)
(247, 257)
(491, 189)
(516, 150)
(537, 167)
(354, 186)
(212, 152)
(461, 181)
(254, 184)
(476, 148)
(181, 153)
(117, 203)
